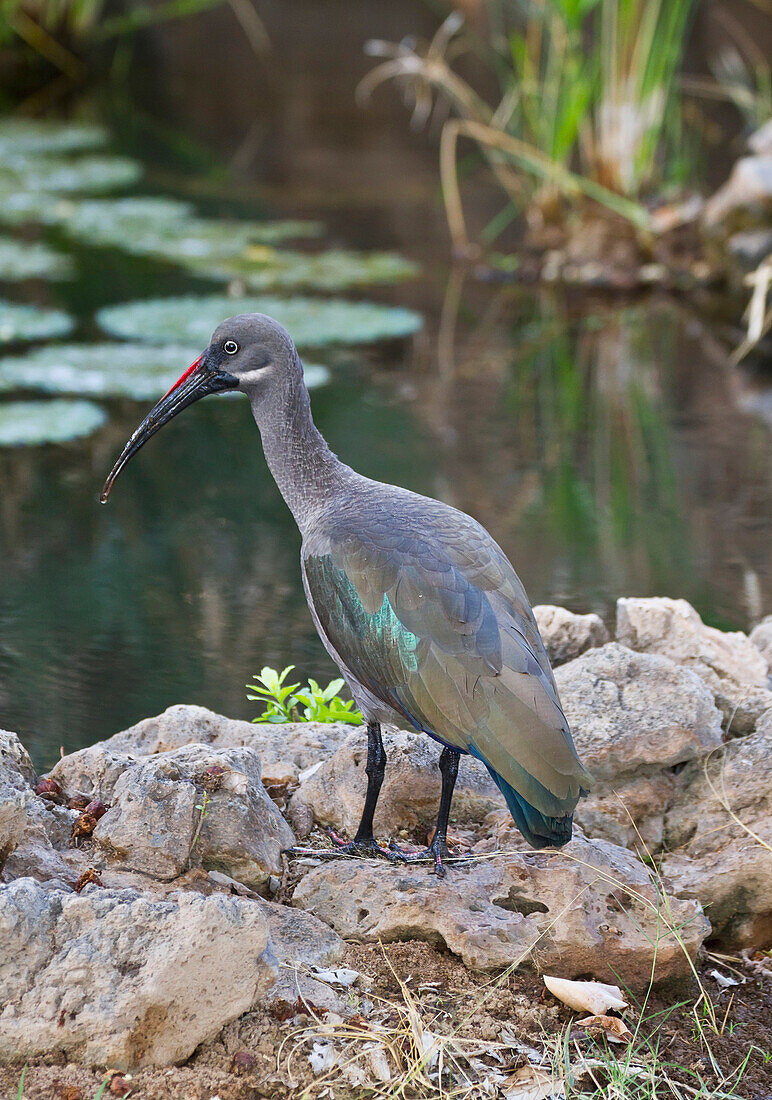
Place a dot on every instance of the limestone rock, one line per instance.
(629, 811)
(729, 663)
(566, 635)
(29, 825)
(285, 749)
(409, 798)
(761, 636)
(92, 772)
(719, 832)
(630, 710)
(114, 978)
(589, 909)
(156, 824)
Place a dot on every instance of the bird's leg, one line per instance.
(438, 849)
(364, 843)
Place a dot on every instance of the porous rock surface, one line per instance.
(114, 978)
(29, 827)
(588, 910)
(194, 804)
(567, 635)
(634, 717)
(335, 791)
(285, 750)
(729, 663)
(719, 837)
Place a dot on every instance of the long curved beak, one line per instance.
(198, 381)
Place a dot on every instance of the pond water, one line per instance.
(605, 443)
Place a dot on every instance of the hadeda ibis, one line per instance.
(414, 601)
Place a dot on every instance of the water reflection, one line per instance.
(602, 447)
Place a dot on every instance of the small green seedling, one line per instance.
(290, 703)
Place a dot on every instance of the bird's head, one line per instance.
(251, 353)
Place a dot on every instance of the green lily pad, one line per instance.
(20, 207)
(22, 135)
(31, 260)
(29, 423)
(188, 241)
(311, 322)
(140, 371)
(266, 268)
(116, 221)
(90, 174)
(18, 322)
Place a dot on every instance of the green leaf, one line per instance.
(21, 322)
(29, 423)
(310, 321)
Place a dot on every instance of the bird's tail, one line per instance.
(538, 829)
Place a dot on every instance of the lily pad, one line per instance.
(311, 322)
(31, 260)
(140, 371)
(29, 423)
(188, 241)
(21, 135)
(115, 221)
(264, 268)
(91, 174)
(20, 207)
(19, 322)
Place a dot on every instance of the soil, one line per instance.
(264, 1054)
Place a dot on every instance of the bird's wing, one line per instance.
(428, 614)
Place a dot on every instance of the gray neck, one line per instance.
(303, 466)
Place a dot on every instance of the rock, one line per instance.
(92, 772)
(285, 749)
(729, 663)
(761, 636)
(629, 811)
(29, 825)
(590, 909)
(566, 635)
(628, 710)
(725, 858)
(156, 824)
(410, 796)
(747, 192)
(300, 942)
(114, 978)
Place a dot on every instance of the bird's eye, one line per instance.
(231, 347)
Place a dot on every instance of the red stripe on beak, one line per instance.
(186, 375)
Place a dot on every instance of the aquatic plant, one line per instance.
(22, 322)
(312, 321)
(142, 372)
(31, 260)
(30, 423)
(586, 91)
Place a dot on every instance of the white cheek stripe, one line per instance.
(252, 375)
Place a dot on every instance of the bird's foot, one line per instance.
(358, 848)
(437, 853)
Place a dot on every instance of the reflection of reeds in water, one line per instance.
(601, 437)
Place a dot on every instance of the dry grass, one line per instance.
(406, 1049)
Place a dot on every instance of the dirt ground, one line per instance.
(498, 1024)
